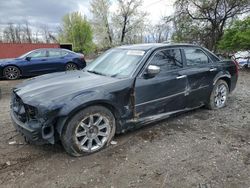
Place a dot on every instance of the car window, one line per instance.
(55, 53)
(195, 56)
(212, 56)
(168, 59)
(38, 54)
(64, 53)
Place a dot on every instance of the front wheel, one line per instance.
(88, 131)
(219, 95)
(11, 72)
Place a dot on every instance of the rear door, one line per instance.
(200, 71)
(166, 91)
(56, 60)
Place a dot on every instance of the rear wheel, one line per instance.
(71, 66)
(11, 72)
(88, 131)
(219, 95)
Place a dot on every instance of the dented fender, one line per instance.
(118, 101)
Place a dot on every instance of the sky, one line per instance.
(50, 12)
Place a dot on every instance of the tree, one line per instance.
(237, 37)
(101, 21)
(10, 33)
(128, 17)
(207, 19)
(47, 35)
(77, 30)
(27, 33)
(160, 32)
(18, 33)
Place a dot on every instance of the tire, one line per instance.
(11, 73)
(71, 66)
(219, 95)
(88, 131)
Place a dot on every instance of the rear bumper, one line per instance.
(33, 131)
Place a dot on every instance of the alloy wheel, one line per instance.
(220, 96)
(93, 132)
(71, 67)
(11, 73)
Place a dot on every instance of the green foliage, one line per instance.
(77, 30)
(237, 37)
(204, 21)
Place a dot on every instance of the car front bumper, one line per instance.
(33, 131)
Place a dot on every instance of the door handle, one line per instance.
(180, 77)
(213, 69)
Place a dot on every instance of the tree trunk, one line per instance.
(124, 29)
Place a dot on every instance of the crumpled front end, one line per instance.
(29, 122)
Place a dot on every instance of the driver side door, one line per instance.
(37, 62)
(165, 92)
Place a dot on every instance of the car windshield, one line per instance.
(25, 55)
(118, 63)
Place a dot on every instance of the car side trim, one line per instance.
(155, 100)
(153, 118)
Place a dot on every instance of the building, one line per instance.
(14, 50)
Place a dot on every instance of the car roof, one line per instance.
(52, 49)
(151, 46)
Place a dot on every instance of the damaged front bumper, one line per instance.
(34, 131)
(26, 120)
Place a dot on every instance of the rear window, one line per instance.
(213, 57)
(195, 56)
(54, 53)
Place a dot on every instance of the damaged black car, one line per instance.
(124, 88)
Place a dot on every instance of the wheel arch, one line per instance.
(72, 62)
(226, 76)
(60, 125)
(228, 81)
(13, 66)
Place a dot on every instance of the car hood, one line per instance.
(6, 61)
(65, 85)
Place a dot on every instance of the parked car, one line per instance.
(41, 61)
(124, 88)
(243, 58)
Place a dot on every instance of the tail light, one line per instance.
(82, 57)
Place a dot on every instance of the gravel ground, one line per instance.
(201, 148)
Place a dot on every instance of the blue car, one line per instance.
(41, 61)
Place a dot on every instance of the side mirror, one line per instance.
(152, 71)
(28, 58)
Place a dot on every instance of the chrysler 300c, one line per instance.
(124, 88)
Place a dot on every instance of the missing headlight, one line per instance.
(31, 112)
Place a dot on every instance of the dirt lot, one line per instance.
(202, 148)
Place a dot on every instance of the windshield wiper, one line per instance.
(94, 72)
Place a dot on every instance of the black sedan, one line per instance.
(122, 89)
(41, 61)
